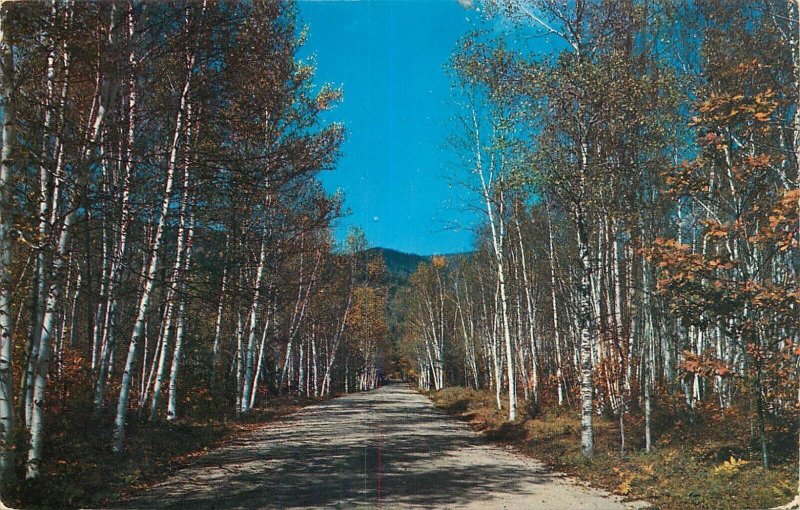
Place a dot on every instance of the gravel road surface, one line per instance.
(385, 449)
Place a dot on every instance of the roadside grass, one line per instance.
(80, 470)
(707, 464)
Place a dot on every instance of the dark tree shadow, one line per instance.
(379, 449)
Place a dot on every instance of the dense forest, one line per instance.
(640, 195)
(166, 247)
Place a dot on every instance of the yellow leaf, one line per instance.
(730, 466)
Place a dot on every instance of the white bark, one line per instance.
(45, 200)
(143, 306)
(585, 312)
(554, 303)
(176, 282)
(163, 350)
(261, 349)
(218, 327)
(314, 361)
(108, 91)
(497, 229)
(586, 324)
(298, 315)
(252, 330)
(172, 401)
(650, 353)
(239, 365)
(106, 342)
(336, 341)
(6, 224)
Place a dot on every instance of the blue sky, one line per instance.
(388, 55)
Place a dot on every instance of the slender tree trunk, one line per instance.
(794, 23)
(498, 375)
(586, 322)
(108, 91)
(252, 329)
(314, 361)
(531, 310)
(218, 328)
(259, 365)
(239, 361)
(106, 345)
(299, 313)
(7, 421)
(143, 306)
(649, 369)
(163, 350)
(498, 233)
(176, 282)
(554, 303)
(761, 415)
(172, 400)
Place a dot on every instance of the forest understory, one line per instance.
(83, 472)
(708, 464)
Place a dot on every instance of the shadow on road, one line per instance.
(359, 450)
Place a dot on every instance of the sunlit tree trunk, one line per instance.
(497, 228)
(172, 400)
(105, 346)
(7, 78)
(177, 282)
(314, 361)
(160, 361)
(252, 331)
(585, 314)
(261, 349)
(554, 304)
(298, 314)
(107, 93)
(531, 314)
(143, 306)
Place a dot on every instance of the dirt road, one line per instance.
(386, 449)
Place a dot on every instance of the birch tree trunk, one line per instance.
(239, 365)
(106, 342)
(585, 312)
(252, 330)
(176, 282)
(8, 135)
(531, 315)
(554, 302)
(143, 306)
(496, 362)
(299, 312)
(314, 361)
(172, 401)
(259, 364)
(107, 93)
(160, 362)
(218, 327)
(649, 368)
(795, 43)
(326, 379)
(586, 324)
(46, 198)
(497, 229)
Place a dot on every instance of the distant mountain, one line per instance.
(401, 265)
(398, 264)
